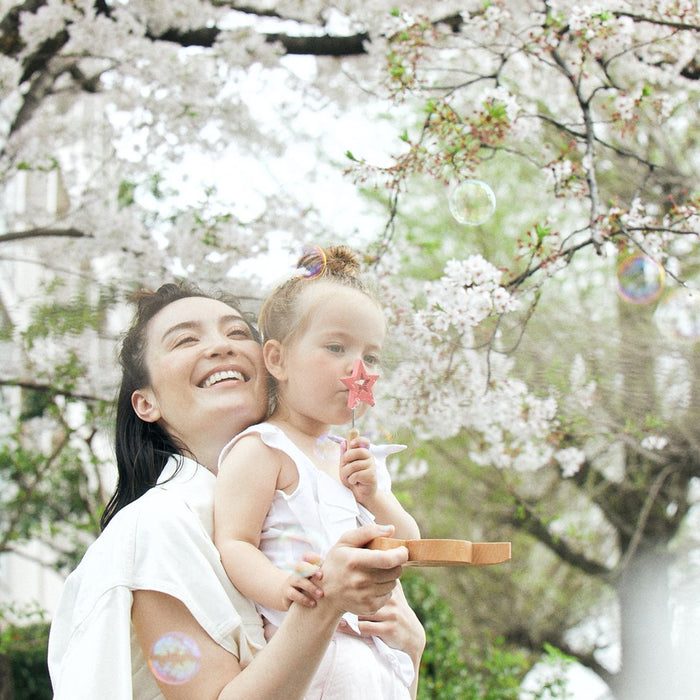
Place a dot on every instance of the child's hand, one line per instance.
(358, 471)
(298, 589)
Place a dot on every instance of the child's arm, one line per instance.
(358, 472)
(245, 487)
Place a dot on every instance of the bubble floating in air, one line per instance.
(678, 315)
(292, 544)
(640, 279)
(472, 202)
(312, 263)
(175, 658)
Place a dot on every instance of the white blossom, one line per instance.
(654, 442)
(570, 459)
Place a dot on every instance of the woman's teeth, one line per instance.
(222, 376)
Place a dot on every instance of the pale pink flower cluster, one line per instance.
(488, 24)
(513, 425)
(584, 20)
(640, 220)
(581, 391)
(48, 21)
(654, 442)
(570, 460)
(466, 294)
(183, 14)
(10, 71)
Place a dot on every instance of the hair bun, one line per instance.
(334, 261)
(340, 260)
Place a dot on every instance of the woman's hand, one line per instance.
(397, 625)
(360, 580)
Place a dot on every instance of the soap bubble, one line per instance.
(640, 279)
(292, 544)
(326, 448)
(678, 315)
(472, 202)
(175, 658)
(312, 263)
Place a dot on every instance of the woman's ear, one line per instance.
(273, 354)
(145, 405)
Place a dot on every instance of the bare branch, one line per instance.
(52, 390)
(324, 45)
(533, 524)
(658, 21)
(44, 232)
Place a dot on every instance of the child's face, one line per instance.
(340, 325)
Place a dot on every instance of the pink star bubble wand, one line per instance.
(359, 385)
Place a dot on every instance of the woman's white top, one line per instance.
(160, 542)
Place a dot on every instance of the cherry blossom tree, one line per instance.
(590, 103)
(581, 116)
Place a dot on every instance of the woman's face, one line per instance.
(207, 376)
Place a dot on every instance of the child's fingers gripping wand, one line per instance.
(359, 385)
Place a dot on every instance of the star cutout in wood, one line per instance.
(359, 384)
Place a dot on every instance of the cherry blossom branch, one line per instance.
(51, 390)
(44, 232)
(659, 21)
(531, 523)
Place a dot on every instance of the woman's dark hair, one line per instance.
(142, 448)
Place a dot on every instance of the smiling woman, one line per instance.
(150, 612)
(184, 357)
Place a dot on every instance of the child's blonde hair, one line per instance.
(281, 315)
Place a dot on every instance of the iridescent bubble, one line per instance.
(678, 315)
(175, 658)
(472, 202)
(292, 544)
(312, 262)
(640, 279)
(326, 448)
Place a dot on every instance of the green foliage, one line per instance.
(71, 317)
(51, 487)
(448, 668)
(126, 193)
(23, 642)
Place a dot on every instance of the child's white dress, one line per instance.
(313, 518)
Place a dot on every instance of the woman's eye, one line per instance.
(335, 347)
(240, 333)
(184, 340)
(371, 360)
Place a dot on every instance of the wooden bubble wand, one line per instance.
(421, 552)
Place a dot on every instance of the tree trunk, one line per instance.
(6, 685)
(645, 629)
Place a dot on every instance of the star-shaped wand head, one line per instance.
(359, 385)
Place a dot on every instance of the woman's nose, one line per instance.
(221, 345)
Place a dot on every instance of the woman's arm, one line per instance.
(358, 580)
